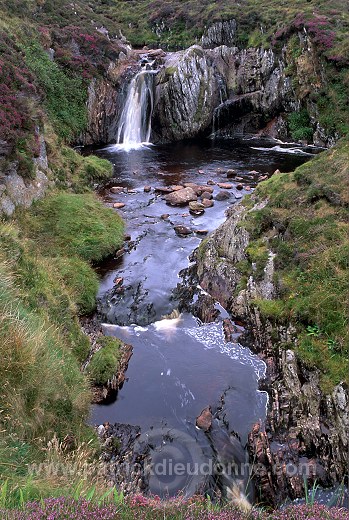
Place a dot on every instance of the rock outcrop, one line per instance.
(186, 94)
(17, 191)
(306, 431)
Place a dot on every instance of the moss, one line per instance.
(271, 309)
(76, 225)
(258, 254)
(104, 363)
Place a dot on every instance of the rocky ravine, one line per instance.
(234, 92)
(306, 432)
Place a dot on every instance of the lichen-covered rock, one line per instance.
(187, 93)
(219, 33)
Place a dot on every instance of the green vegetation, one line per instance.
(306, 222)
(46, 282)
(65, 96)
(104, 363)
(299, 125)
(72, 224)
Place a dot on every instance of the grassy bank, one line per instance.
(46, 282)
(305, 223)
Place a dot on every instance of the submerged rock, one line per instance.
(204, 421)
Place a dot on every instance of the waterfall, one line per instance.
(135, 122)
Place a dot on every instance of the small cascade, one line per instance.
(135, 122)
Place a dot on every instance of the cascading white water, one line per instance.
(135, 122)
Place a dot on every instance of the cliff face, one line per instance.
(234, 92)
(306, 432)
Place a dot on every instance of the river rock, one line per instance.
(182, 230)
(117, 189)
(247, 188)
(231, 173)
(118, 205)
(225, 185)
(196, 208)
(223, 195)
(206, 195)
(239, 186)
(176, 187)
(204, 421)
(165, 216)
(262, 178)
(147, 189)
(181, 197)
(207, 203)
(201, 231)
(163, 189)
(210, 182)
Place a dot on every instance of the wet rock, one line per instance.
(253, 172)
(119, 253)
(262, 178)
(147, 189)
(201, 231)
(239, 187)
(165, 216)
(196, 208)
(223, 195)
(181, 197)
(247, 188)
(118, 281)
(117, 189)
(119, 205)
(163, 189)
(210, 182)
(201, 172)
(225, 185)
(176, 188)
(206, 195)
(182, 230)
(207, 203)
(231, 173)
(127, 238)
(204, 308)
(229, 330)
(277, 172)
(204, 420)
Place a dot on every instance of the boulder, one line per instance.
(223, 195)
(181, 197)
(196, 208)
(206, 195)
(207, 203)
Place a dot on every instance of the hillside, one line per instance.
(64, 72)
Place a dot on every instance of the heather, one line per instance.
(141, 508)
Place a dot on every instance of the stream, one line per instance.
(179, 366)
